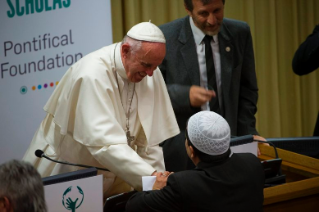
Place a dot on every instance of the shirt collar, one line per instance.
(199, 34)
(119, 67)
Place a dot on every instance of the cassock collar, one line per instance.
(119, 67)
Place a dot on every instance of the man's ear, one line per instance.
(5, 205)
(125, 49)
(192, 155)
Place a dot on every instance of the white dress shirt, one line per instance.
(200, 48)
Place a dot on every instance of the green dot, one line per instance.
(23, 90)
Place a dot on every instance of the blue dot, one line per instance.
(39, 87)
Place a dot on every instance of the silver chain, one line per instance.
(128, 112)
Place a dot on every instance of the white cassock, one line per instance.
(86, 122)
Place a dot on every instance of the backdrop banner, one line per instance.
(39, 40)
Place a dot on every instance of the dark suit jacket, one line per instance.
(306, 60)
(234, 185)
(180, 70)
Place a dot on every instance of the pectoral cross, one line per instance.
(129, 137)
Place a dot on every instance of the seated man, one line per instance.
(21, 188)
(221, 181)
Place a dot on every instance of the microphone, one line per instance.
(39, 153)
(272, 168)
(235, 141)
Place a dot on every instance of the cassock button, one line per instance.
(227, 49)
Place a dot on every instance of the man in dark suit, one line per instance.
(222, 79)
(222, 181)
(306, 60)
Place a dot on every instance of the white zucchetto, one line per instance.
(209, 132)
(146, 31)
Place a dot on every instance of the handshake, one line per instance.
(161, 179)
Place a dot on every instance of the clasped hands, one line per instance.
(161, 179)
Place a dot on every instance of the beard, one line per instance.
(204, 27)
(211, 33)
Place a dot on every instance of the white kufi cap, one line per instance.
(146, 31)
(209, 132)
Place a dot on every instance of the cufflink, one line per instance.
(227, 49)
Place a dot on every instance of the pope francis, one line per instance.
(111, 109)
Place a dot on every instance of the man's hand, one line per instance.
(199, 95)
(259, 138)
(161, 179)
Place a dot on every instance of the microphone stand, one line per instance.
(73, 164)
(280, 178)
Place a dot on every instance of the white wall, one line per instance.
(48, 40)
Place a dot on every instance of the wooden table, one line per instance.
(300, 193)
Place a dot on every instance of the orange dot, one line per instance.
(33, 87)
(57, 82)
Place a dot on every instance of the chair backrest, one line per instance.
(117, 202)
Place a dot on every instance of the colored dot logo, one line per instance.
(23, 90)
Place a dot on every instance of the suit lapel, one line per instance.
(226, 49)
(188, 52)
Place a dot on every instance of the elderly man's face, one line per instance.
(144, 61)
(209, 17)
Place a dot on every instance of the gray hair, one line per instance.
(134, 44)
(22, 185)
